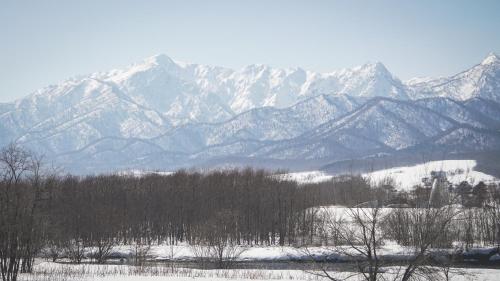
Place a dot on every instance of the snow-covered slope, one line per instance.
(488, 108)
(409, 176)
(160, 113)
(470, 113)
(189, 92)
(379, 125)
(76, 113)
(482, 80)
(456, 172)
(259, 124)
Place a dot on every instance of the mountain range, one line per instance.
(161, 114)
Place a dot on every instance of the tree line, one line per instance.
(42, 210)
(245, 207)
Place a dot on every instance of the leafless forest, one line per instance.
(46, 214)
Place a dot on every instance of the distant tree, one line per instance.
(480, 194)
(464, 192)
(420, 196)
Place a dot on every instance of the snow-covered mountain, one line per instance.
(383, 125)
(259, 124)
(190, 92)
(480, 81)
(163, 114)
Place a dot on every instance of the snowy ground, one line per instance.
(160, 268)
(257, 253)
(308, 177)
(142, 173)
(390, 250)
(407, 177)
(45, 271)
(456, 172)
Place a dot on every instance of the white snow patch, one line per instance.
(161, 272)
(308, 177)
(142, 173)
(408, 176)
(490, 59)
(456, 172)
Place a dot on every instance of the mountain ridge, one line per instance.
(196, 113)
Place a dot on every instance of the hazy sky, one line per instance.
(43, 42)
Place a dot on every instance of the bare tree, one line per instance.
(221, 249)
(360, 233)
(102, 249)
(19, 198)
(52, 251)
(429, 228)
(356, 235)
(201, 253)
(142, 246)
(75, 250)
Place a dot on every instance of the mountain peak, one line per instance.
(379, 66)
(375, 67)
(255, 68)
(490, 59)
(160, 59)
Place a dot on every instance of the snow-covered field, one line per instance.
(264, 254)
(456, 172)
(308, 177)
(45, 271)
(256, 253)
(159, 266)
(48, 271)
(141, 173)
(407, 177)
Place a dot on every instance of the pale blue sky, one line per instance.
(43, 42)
